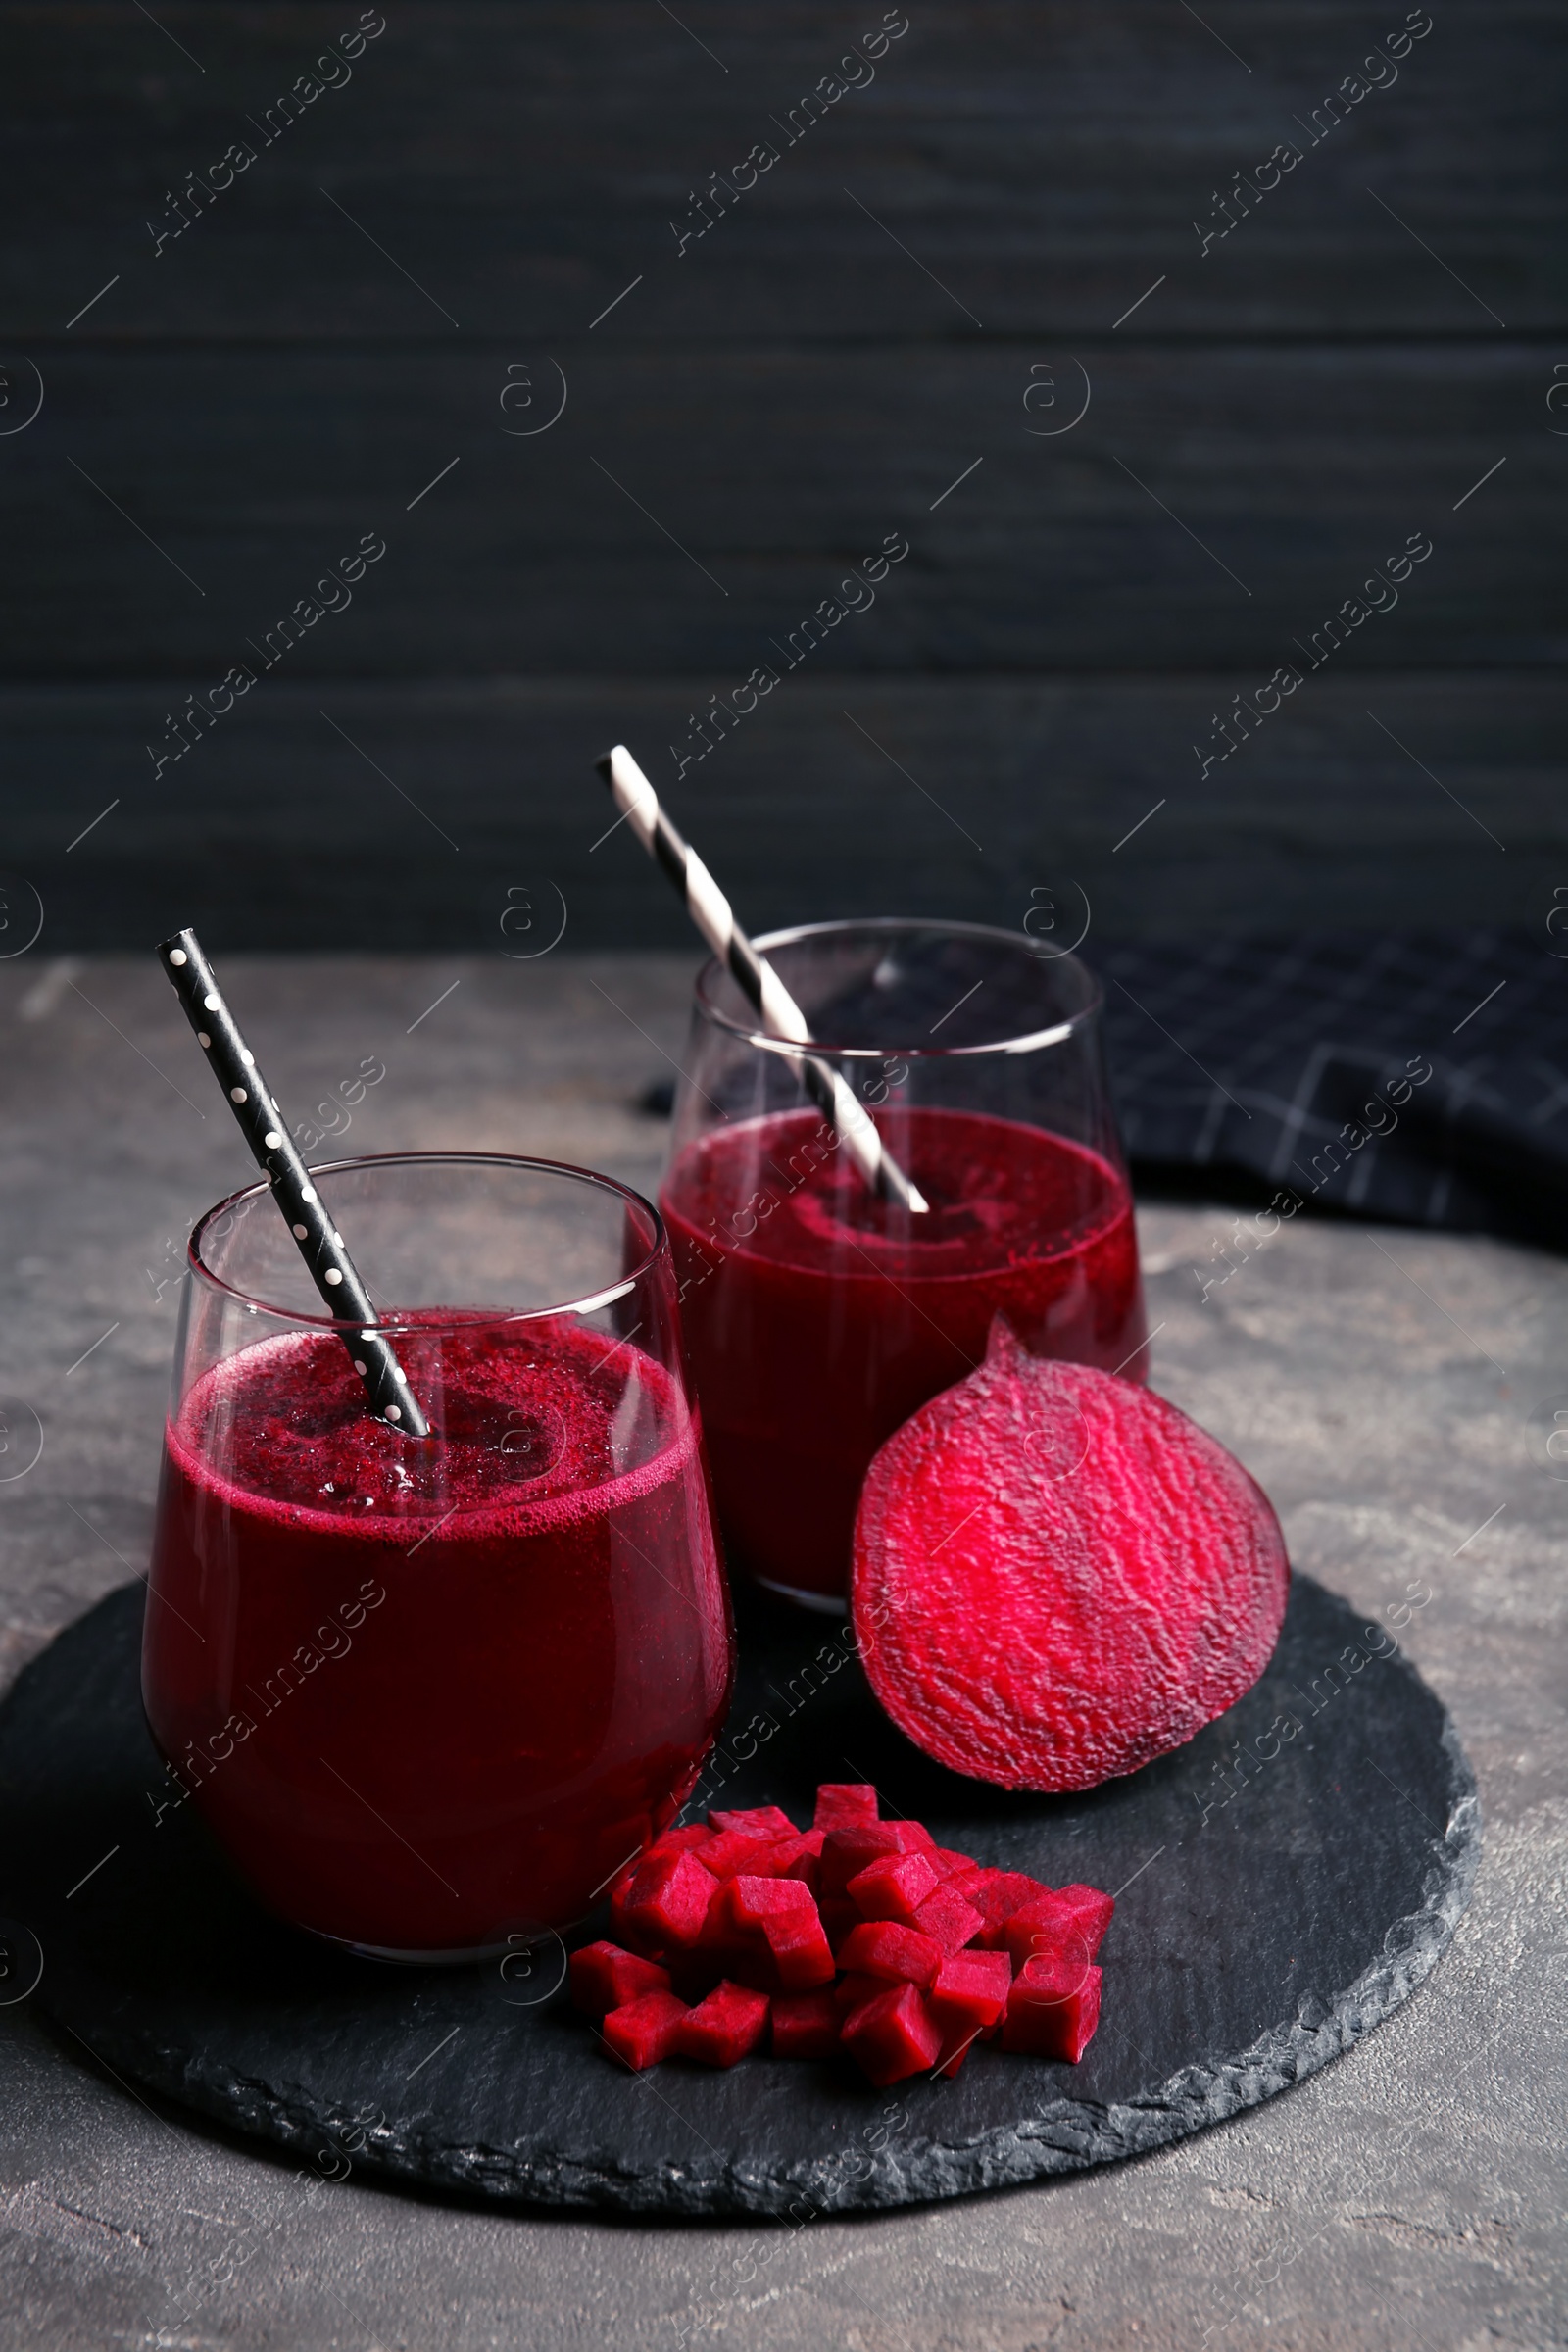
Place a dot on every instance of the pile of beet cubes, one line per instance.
(855, 1935)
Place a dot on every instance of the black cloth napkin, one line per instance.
(1421, 1078)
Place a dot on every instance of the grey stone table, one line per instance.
(1394, 1393)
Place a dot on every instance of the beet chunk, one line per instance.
(756, 1821)
(883, 1947)
(770, 1934)
(844, 1804)
(1053, 2009)
(1057, 1576)
(644, 2031)
(846, 1852)
(967, 1998)
(722, 2029)
(1070, 1919)
(806, 2025)
(948, 1919)
(664, 1904)
(893, 1887)
(997, 1894)
(756, 1853)
(892, 2036)
(605, 1977)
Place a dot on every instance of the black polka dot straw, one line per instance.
(266, 1130)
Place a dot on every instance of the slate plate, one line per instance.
(1286, 1880)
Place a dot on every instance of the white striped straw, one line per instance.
(755, 976)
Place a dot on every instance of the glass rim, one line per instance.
(1034, 1040)
(477, 1320)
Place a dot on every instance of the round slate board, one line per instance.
(1284, 1882)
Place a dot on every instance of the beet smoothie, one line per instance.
(818, 1318)
(427, 1695)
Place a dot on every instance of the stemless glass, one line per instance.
(433, 1693)
(817, 1315)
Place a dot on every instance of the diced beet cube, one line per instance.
(722, 2029)
(605, 1977)
(807, 1864)
(893, 1887)
(802, 1953)
(1052, 2010)
(1091, 1912)
(967, 1999)
(798, 1857)
(731, 1851)
(781, 1915)
(755, 1821)
(752, 1901)
(892, 2036)
(663, 1906)
(644, 2031)
(997, 1894)
(948, 1919)
(806, 2025)
(844, 1804)
(1073, 1919)
(846, 1851)
(882, 1947)
(947, 1864)
(977, 1981)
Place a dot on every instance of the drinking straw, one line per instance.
(754, 975)
(266, 1130)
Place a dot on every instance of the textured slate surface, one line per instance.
(1296, 1911)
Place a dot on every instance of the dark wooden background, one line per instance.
(1032, 679)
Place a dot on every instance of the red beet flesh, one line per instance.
(605, 1977)
(893, 1887)
(883, 1947)
(722, 2029)
(844, 1804)
(664, 1902)
(1068, 1919)
(1052, 2010)
(1057, 1576)
(891, 2036)
(644, 2031)
(891, 1968)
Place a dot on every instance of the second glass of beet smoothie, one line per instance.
(820, 1315)
(431, 1694)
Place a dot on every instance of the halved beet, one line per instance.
(1057, 1576)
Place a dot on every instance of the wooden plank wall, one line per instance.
(362, 337)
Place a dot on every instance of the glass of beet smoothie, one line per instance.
(431, 1694)
(819, 1313)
